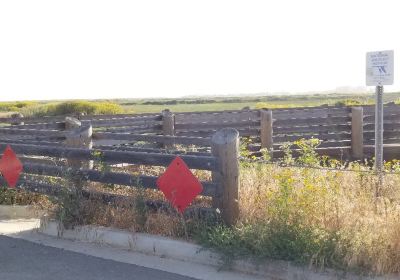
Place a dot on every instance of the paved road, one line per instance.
(23, 260)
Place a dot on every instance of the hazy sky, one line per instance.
(110, 49)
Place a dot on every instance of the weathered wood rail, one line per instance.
(44, 161)
(343, 130)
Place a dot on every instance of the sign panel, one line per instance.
(10, 166)
(379, 68)
(179, 185)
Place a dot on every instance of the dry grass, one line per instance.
(340, 202)
(323, 218)
(132, 215)
(11, 196)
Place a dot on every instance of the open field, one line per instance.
(238, 103)
(156, 105)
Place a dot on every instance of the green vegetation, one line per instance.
(73, 107)
(10, 196)
(30, 108)
(16, 106)
(156, 105)
(253, 102)
(314, 216)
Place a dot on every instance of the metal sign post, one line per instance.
(378, 129)
(379, 72)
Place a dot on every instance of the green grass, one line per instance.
(113, 106)
(238, 103)
(141, 108)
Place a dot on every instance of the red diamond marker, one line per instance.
(179, 185)
(10, 166)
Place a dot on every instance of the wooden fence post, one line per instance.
(17, 119)
(168, 125)
(357, 138)
(225, 146)
(78, 136)
(72, 123)
(266, 130)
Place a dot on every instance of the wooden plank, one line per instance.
(150, 150)
(312, 113)
(391, 141)
(386, 126)
(340, 153)
(51, 126)
(32, 120)
(194, 162)
(292, 138)
(42, 160)
(387, 109)
(125, 179)
(215, 125)
(248, 130)
(312, 129)
(126, 129)
(48, 119)
(385, 141)
(386, 134)
(254, 112)
(209, 133)
(311, 121)
(156, 130)
(390, 152)
(201, 134)
(121, 122)
(32, 142)
(144, 116)
(51, 119)
(324, 144)
(12, 131)
(386, 118)
(153, 138)
(234, 116)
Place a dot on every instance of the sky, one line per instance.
(136, 49)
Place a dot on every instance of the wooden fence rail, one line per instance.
(222, 162)
(338, 127)
(154, 159)
(209, 188)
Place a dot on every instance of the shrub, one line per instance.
(263, 105)
(16, 106)
(349, 102)
(73, 107)
(18, 197)
(86, 107)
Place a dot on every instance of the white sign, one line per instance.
(380, 68)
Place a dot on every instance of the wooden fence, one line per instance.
(53, 147)
(345, 131)
(44, 161)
